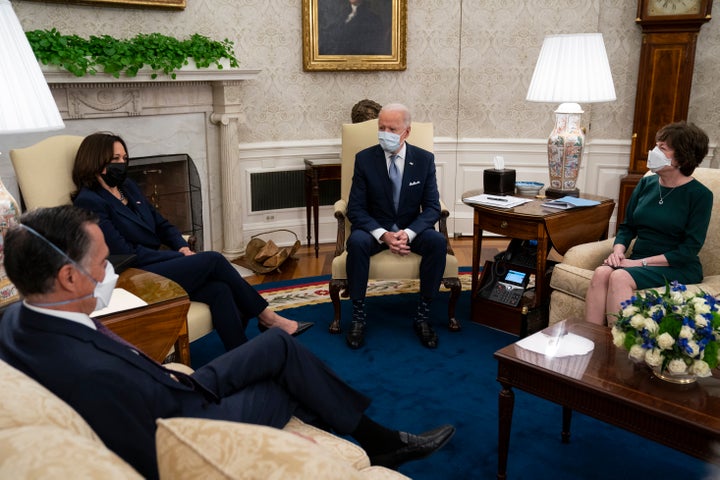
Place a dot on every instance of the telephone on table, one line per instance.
(505, 284)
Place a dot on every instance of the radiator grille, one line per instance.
(278, 190)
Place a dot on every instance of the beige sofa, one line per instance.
(571, 278)
(42, 437)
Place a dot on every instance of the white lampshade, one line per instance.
(572, 68)
(26, 104)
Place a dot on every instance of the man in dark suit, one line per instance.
(57, 258)
(394, 204)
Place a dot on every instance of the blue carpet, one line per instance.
(415, 389)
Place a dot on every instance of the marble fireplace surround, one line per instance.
(198, 113)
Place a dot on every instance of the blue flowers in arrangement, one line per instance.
(676, 331)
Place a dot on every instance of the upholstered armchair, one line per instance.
(571, 278)
(44, 175)
(384, 265)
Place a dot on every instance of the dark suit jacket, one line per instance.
(370, 205)
(139, 230)
(121, 393)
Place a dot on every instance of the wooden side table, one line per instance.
(316, 171)
(161, 324)
(560, 229)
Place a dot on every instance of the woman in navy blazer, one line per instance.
(131, 225)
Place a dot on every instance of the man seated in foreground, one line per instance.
(57, 259)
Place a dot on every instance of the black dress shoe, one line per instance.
(426, 334)
(356, 336)
(302, 327)
(415, 447)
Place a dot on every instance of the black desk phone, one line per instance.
(506, 285)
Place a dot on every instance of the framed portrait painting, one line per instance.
(354, 35)
(169, 4)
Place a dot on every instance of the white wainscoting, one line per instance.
(460, 166)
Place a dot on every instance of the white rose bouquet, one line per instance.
(677, 331)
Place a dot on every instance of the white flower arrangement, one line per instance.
(676, 331)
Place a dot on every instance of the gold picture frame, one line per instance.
(167, 4)
(374, 37)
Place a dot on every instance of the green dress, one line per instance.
(676, 228)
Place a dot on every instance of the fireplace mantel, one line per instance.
(101, 100)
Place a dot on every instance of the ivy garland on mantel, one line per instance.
(106, 54)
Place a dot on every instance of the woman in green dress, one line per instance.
(668, 216)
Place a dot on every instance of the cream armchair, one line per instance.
(571, 278)
(384, 265)
(44, 175)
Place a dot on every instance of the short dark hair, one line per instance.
(94, 153)
(689, 142)
(32, 264)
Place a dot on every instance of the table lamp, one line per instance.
(571, 69)
(26, 105)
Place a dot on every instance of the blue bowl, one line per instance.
(528, 188)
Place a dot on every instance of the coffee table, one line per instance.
(603, 383)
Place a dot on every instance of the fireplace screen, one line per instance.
(172, 185)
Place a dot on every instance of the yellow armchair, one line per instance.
(384, 265)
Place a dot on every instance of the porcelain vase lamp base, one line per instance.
(565, 147)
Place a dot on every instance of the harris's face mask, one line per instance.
(115, 174)
(657, 160)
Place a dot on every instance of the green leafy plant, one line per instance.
(116, 57)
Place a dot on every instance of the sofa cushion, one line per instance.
(190, 448)
(47, 451)
(32, 404)
(340, 447)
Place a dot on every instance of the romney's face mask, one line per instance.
(103, 290)
(657, 160)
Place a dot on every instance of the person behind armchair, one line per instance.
(57, 258)
(399, 215)
(668, 216)
(131, 225)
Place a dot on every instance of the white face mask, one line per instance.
(657, 160)
(390, 142)
(104, 290)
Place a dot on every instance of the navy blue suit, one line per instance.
(370, 207)
(137, 228)
(121, 394)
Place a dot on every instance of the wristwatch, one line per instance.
(644, 262)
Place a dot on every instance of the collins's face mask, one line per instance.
(657, 160)
(115, 174)
(390, 142)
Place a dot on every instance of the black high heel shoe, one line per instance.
(302, 328)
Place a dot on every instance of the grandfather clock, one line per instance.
(667, 58)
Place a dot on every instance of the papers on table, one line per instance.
(121, 300)
(567, 202)
(498, 201)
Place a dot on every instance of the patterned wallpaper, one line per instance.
(469, 63)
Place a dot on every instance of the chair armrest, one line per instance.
(340, 211)
(442, 226)
(589, 255)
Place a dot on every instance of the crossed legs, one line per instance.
(608, 288)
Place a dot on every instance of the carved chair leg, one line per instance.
(335, 287)
(455, 288)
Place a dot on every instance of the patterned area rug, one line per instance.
(315, 290)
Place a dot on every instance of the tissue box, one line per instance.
(499, 182)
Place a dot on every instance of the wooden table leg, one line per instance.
(506, 403)
(308, 201)
(567, 417)
(316, 211)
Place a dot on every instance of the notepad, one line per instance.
(497, 201)
(121, 300)
(567, 202)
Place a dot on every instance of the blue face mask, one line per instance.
(390, 142)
